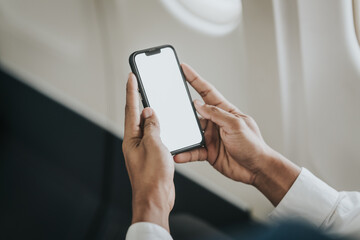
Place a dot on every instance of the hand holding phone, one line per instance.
(149, 163)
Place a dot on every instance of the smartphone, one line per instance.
(163, 87)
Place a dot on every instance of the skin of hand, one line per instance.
(234, 145)
(149, 163)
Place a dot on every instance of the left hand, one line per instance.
(148, 162)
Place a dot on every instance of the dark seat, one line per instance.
(63, 177)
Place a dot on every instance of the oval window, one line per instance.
(215, 17)
(356, 5)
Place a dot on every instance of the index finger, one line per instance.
(208, 92)
(132, 116)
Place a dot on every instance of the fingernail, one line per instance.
(198, 103)
(147, 112)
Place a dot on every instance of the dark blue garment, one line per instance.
(287, 230)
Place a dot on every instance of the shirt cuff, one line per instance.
(309, 199)
(146, 230)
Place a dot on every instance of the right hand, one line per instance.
(234, 145)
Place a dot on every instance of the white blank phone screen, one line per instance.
(167, 95)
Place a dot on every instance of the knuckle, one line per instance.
(213, 109)
(233, 110)
(248, 119)
(205, 93)
(238, 123)
(151, 124)
(194, 80)
(245, 117)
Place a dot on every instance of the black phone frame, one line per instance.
(145, 100)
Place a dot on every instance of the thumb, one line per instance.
(151, 123)
(222, 118)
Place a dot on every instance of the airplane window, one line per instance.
(356, 5)
(214, 17)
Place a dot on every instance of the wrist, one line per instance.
(275, 176)
(151, 210)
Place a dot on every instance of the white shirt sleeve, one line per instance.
(314, 201)
(147, 231)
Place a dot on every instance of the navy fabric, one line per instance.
(64, 177)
